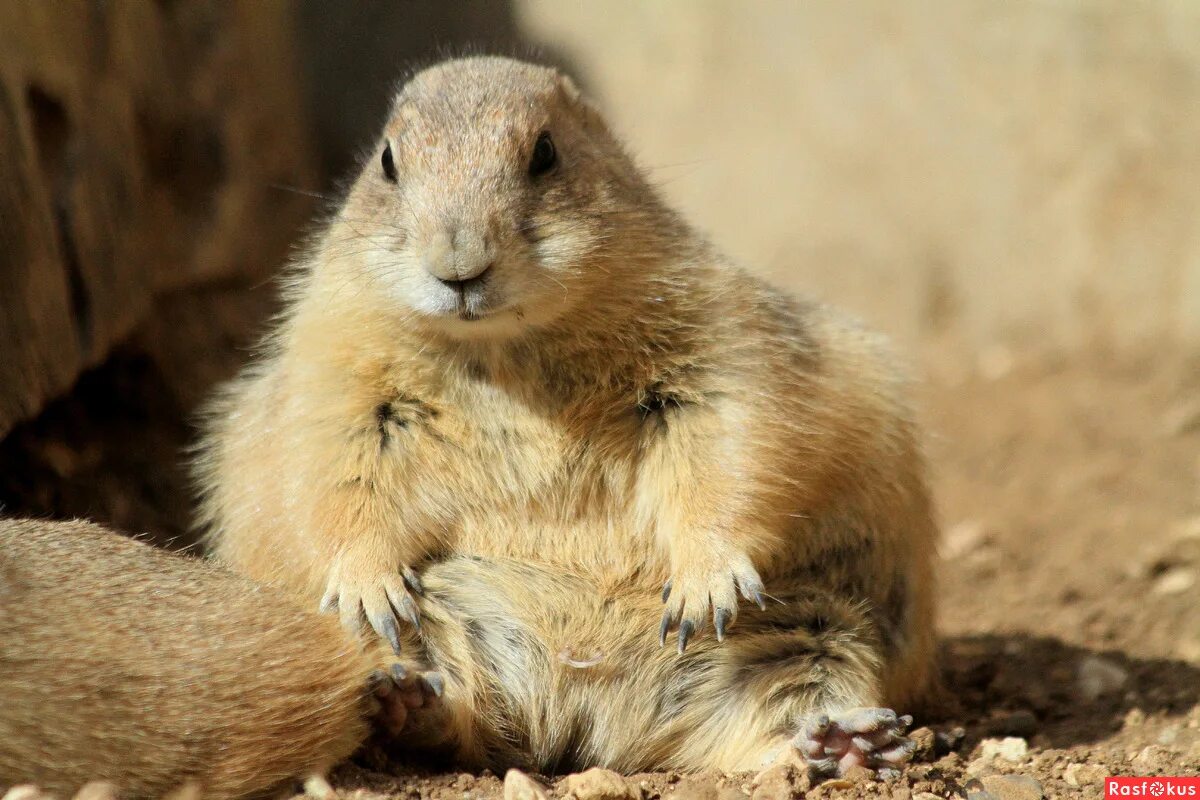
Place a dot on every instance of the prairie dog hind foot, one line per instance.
(404, 693)
(867, 737)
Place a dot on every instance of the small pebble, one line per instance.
(963, 538)
(1175, 580)
(1084, 775)
(599, 784)
(1098, 676)
(519, 786)
(780, 782)
(946, 742)
(859, 774)
(926, 742)
(693, 789)
(1012, 787)
(102, 790)
(1010, 748)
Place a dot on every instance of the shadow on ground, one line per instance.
(995, 682)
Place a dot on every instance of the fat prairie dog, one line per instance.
(150, 671)
(509, 373)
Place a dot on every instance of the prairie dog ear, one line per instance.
(592, 118)
(568, 88)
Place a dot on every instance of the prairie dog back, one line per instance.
(123, 663)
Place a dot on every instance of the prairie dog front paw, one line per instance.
(363, 583)
(707, 585)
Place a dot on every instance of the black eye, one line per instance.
(544, 155)
(389, 166)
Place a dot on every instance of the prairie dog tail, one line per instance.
(123, 663)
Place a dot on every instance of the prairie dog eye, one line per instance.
(544, 155)
(389, 165)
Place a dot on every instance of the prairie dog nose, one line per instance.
(457, 255)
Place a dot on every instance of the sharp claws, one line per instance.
(408, 610)
(664, 627)
(817, 726)
(666, 592)
(413, 581)
(720, 620)
(686, 628)
(391, 632)
(433, 681)
(757, 597)
(399, 673)
(824, 766)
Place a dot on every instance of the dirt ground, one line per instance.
(1070, 581)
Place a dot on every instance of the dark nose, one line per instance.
(466, 283)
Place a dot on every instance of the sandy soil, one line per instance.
(1070, 489)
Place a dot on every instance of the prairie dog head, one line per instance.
(496, 200)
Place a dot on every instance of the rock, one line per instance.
(834, 784)
(963, 538)
(695, 789)
(25, 791)
(925, 796)
(1155, 759)
(859, 774)
(599, 784)
(1084, 775)
(1012, 787)
(519, 786)
(1175, 580)
(1098, 676)
(99, 790)
(1134, 718)
(926, 741)
(946, 742)
(1010, 748)
(780, 782)
(316, 787)
(975, 791)
(1023, 723)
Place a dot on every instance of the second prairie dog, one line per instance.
(150, 671)
(505, 350)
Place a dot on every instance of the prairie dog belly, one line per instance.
(596, 552)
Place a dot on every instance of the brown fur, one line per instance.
(122, 663)
(614, 405)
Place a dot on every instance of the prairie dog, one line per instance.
(150, 671)
(505, 359)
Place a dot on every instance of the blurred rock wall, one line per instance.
(142, 150)
(1023, 170)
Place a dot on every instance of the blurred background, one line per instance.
(1011, 189)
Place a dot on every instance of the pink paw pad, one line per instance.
(867, 737)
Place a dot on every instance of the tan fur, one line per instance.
(615, 405)
(122, 663)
